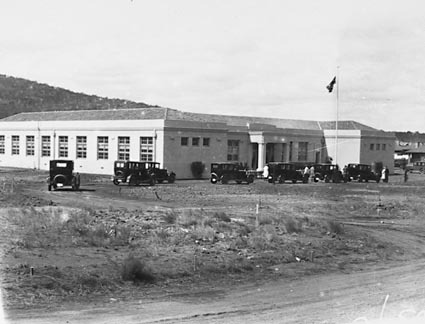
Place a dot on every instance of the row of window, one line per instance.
(232, 146)
(146, 147)
(195, 141)
(378, 147)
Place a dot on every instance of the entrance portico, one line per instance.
(285, 145)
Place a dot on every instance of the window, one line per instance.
(146, 148)
(30, 145)
(206, 141)
(124, 148)
(195, 141)
(2, 145)
(378, 147)
(81, 147)
(302, 151)
(384, 147)
(372, 146)
(232, 150)
(15, 144)
(63, 146)
(102, 147)
(45, 145)
(184, 141)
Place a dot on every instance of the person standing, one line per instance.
(387, 174)
(306, 174)
(383, 174)
(312, 175)
(266, 172)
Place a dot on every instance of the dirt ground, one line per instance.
(284, 253)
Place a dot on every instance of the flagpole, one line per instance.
(338, 80)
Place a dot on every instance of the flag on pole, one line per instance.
(330, 86)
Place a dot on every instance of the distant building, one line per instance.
(409, 147)
(94, 139)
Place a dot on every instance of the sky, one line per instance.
(270, 58)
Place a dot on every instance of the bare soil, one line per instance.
(217, 253)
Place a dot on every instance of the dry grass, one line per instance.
(58, 227)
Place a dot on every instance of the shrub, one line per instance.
(222, 216)
(335, 227)
(197, 168)
(170, 217)
(134, 270)
(293, 226)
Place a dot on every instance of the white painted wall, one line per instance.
(92, 129)
(354, 147)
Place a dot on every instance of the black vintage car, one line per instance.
(281, 172)
(160, 175)
(360, 172)
(327, 172)
(61, 174)
(230, 171)
(133, 173)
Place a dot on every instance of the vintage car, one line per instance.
(160, 175)
(327, 172)
(61, 174)
(418, 166)
(281, 172)
(230, 171)
(360, 172)
(133, 173)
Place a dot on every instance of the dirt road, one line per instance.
(331, 298)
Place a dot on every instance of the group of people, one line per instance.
(309, 173)
(385, 174)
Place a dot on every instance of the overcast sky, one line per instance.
(269, 58)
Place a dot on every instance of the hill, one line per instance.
(21, 95)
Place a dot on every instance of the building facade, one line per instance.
(94, 139)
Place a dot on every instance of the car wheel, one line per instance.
(250, 179)
(270, 180)
(281, 179)
(224, 180)
(171, 178)
(294, 181)
(214, 180)
(115, 182)
(238, 181)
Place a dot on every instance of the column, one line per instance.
(261, 156)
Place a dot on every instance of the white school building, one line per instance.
(94, 139)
